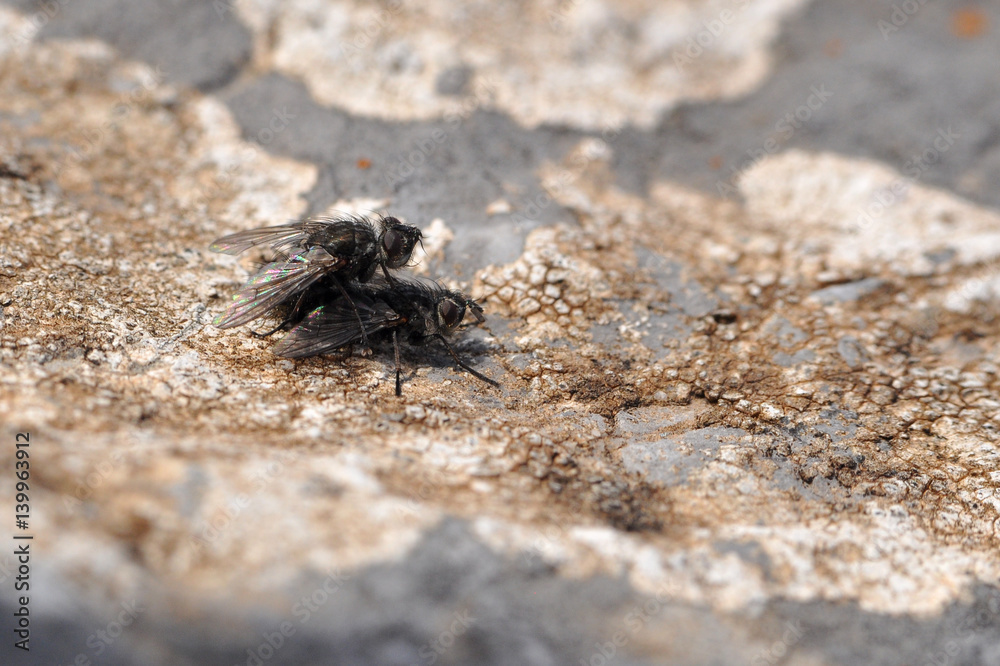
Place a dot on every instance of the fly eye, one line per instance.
(394, 244)
(451, 313)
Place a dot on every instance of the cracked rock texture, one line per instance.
(742, 301)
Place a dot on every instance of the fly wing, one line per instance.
(285, 238)
(335, 325)
(285, 235)
(274, 284)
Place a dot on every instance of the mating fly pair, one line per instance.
(325, 273)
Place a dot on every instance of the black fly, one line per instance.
(320, 251)
(415, 311)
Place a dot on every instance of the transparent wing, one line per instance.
(285, 235)
(274, 284)
(287, 238)
(335, 325)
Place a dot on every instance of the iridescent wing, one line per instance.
(335, 325)
(276, 283)
(288, 238)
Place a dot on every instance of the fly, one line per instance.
(416, 311)
(318, 251)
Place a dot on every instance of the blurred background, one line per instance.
(739, 260)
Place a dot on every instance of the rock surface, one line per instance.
(742, 301)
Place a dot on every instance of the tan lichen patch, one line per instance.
(190, 509)
(556, 294)
(860, 217)
(392, 57)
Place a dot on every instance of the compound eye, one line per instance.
(451, 313)
(394, 244)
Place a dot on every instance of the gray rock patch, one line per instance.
(847, 292)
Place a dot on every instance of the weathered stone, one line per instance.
(746, 415)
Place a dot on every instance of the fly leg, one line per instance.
(357, 315)
(289, 319)
(465, 367)
(395, 346)
(389, 277)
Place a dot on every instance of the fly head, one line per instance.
(398, 241)
(450, 313)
